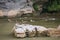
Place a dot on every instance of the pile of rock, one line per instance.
(27, 30)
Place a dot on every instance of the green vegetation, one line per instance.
(53, 5)
(35, 6)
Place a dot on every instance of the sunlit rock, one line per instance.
(1, 13)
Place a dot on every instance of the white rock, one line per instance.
(32, 20)
(19, 32)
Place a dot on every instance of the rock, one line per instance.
(31, 31)
(1, 13)
(58, 27)
(19, 32)
(40, 30)
(12, 13)
(53, 32)
(32, 20)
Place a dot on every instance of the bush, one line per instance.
(53, 5)
(35, 6)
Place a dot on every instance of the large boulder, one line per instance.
(13, 6)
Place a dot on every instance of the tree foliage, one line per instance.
(35, 6)
(53, 5)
